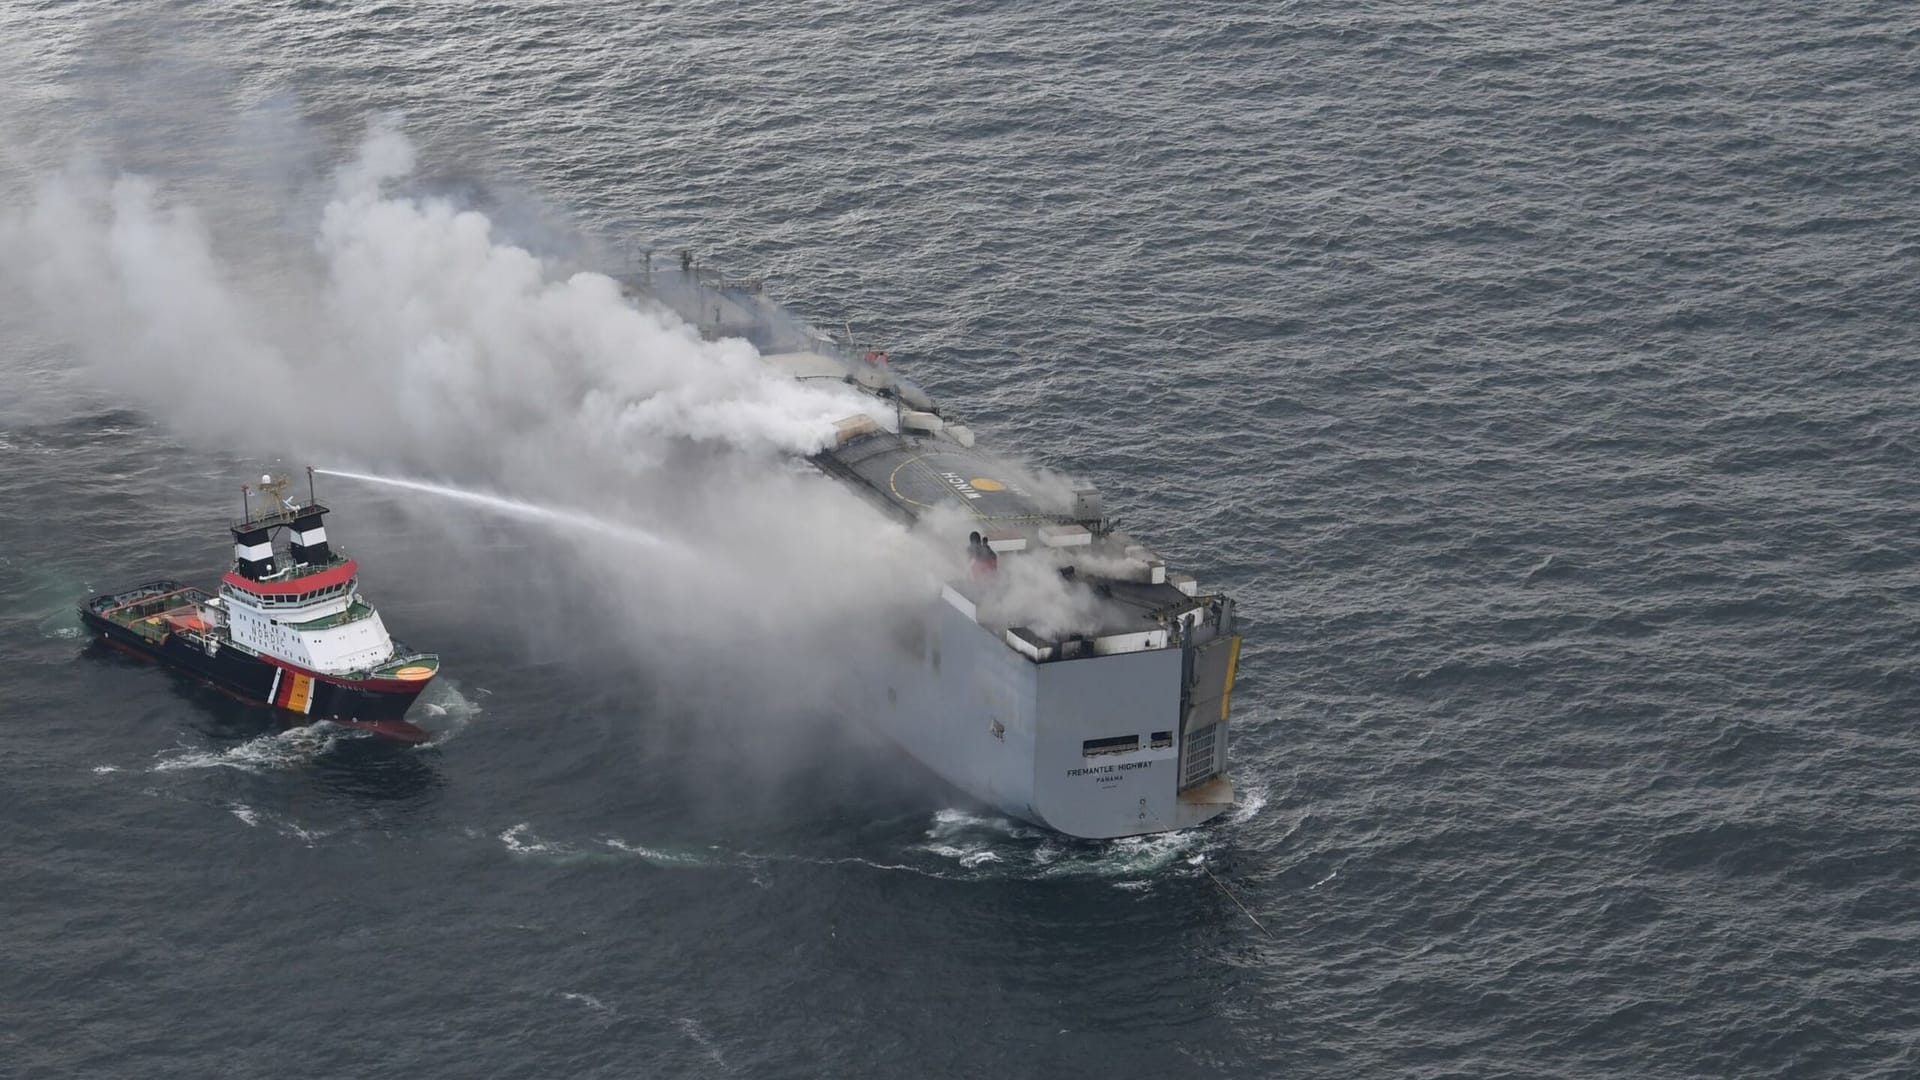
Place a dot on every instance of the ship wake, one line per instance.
(279, 751)
(958, 845)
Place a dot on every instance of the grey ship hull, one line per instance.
(1012, 733)
(1117, 728)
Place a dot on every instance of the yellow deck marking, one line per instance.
(981, 483)
(891, 486)
(414, 673)
(895, 488)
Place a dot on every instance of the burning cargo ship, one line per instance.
(1113, 724)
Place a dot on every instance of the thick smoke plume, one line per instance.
(414, 335)
(403, 336)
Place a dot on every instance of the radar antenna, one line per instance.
(275, 487)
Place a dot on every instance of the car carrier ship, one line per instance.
(1113, 726)
(288, 628)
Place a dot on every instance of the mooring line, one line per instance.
(1235, 899)
(1223, 885)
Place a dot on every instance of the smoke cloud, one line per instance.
(401, 335)
(414, 337)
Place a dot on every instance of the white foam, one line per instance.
(698, 1033)
(452, 711)
(282, 750)
(953, 822)
(588, 1000)
(310, 836)
(654, 855)
(892, 868)
(521, 841)
(1130, 856)
(1251, 802)
(1000, 847)
(246, 813)
(968, 857)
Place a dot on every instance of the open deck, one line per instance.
(155, 610)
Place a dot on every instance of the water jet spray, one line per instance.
(510, 507)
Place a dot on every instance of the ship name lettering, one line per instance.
(1103, 771)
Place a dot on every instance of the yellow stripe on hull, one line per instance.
(1233, 666)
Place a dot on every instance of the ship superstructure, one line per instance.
(1100, 712)
(288, 627)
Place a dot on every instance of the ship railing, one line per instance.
(278, 515)
(287, 573)
(713, 279)
(402, 656)
(147, 606)
(356, 611)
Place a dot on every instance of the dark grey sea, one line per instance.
(1543, 380)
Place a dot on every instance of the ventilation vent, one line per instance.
(1202, 757)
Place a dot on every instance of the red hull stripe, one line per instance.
(325, 578)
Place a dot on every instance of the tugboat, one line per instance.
(288, 628)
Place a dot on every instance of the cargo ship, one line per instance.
(288, 628)
(1111, 722)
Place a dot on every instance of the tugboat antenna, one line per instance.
(246, 507)
(311, 498)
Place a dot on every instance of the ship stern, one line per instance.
(1133, 742)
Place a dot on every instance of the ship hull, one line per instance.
(297, 695)
(1014, 734)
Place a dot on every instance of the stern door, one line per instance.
(1203, 728)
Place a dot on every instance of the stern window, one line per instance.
(1119, 744)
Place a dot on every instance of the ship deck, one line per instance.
(155, 610)
(914, 476)
(930, 466)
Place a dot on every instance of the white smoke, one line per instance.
(401, 335)
(413, 337)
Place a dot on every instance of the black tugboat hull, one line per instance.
(377, 705)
